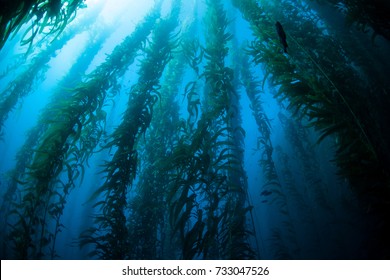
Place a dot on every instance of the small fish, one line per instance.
(282, 35)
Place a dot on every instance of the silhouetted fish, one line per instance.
(282, 35)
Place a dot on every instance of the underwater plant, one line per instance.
(168, 182)
(149, 206)
(226, 234)
(198, 173)
(22, 85)
(143, 152)
(58, 148)
(253, 91)
(111, 236)
(315, 88)
(272, 191)
(49, 17)
(24, 156)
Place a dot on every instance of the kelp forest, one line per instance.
(202, 129)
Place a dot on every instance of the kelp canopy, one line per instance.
(47, 17)
(195, 130)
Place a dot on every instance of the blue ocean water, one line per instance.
(186, 130)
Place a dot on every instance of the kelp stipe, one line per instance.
(59, 145)
(111, 235)
(222, 190)
(264, 144)
(35, 71)
(328, 108)
(172, 233)
(310, 196)
(357, 123)
(148, 205)
(19, 175)
(273, 190)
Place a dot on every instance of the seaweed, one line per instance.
(58, 149)
(168, 178)
(315, 88)
(113, 240)
(23, 84)
(49, 17)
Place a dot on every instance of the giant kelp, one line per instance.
(320, 93)
(198, 173)
(58, 148)
(225, 190)
(312, 209)
(26, 152)
(49, 17)
(264, 144)
(172, 179)
(112, 240)
(149, 204)
(272, 191)
(22, 85)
